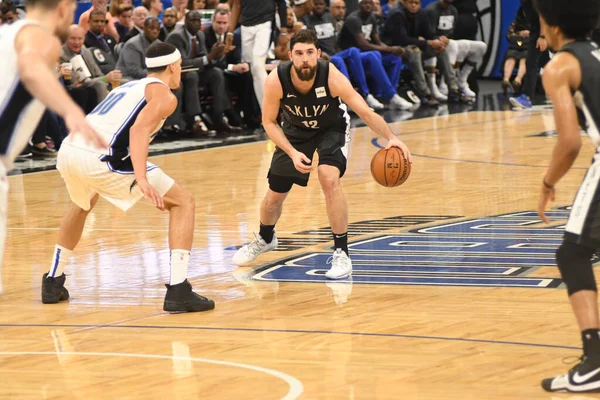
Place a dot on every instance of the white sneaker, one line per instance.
(244, 256)
(341, 266)
(373, 102)
(443, 88)
(400, 103)
(464, 87)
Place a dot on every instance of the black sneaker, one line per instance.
(53, 289)
(584, 377)
(180, 298)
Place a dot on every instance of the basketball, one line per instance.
(390, 167)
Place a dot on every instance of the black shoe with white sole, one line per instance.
(584, 377)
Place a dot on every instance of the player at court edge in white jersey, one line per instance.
(128, 119)
(29, 53)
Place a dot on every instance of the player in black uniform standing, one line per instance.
(311, 94)
(572, 80)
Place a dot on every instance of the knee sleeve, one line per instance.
(575, 264)
(430, 62)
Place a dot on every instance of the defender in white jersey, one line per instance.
(128, 119)
(29, 52)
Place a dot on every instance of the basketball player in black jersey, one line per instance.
(311, 93)
(572, 81)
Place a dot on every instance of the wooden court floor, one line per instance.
(272, 338)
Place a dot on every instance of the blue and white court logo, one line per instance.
(497, 251)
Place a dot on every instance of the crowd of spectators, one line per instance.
(228, 48)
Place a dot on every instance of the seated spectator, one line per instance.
(8, 12)
(96, 79)
(377, 11)
(518, 36)
(115, 5)
(124, 20)
(109, 28)
(301, 8)
(337, 8)
(139, 16)
(190, 41)
(463, 54)
(132, 59)
(238, 77)
(323, 24)
(168, 23)
(181, 7)
(409, 26)
(382, 61)
(101, 46)
(196, 5)
(389, 6)
(154, 7)
(212, 4)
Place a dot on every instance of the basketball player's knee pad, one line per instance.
(575, 265)
(280, 184)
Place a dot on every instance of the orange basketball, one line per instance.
(390, 167)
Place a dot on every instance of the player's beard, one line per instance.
(306, 74)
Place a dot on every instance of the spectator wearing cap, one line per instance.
(302, 8)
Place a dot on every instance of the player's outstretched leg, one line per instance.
(266, 240)
(575, 265)
(180, 297)
(337, 211)
(69, 234)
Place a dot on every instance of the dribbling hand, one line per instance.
(77, 124)
(395, 142)
(151, 193)
(301, 162)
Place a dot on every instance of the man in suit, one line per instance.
(132, 59)
(169, 20)
(73, 47)
(238, 74)
(190, 42)
(101, 45)
(139, 17)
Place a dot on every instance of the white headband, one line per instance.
(163, 61)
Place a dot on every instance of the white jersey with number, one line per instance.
(20, 112)
(113, 118)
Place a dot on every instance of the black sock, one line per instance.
(341, 241)
(591, 343)
(266, 232)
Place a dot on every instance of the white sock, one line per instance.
(179, 266)
(59, 259)
(464, 73)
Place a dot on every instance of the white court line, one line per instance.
(141, 229)
(296, 387)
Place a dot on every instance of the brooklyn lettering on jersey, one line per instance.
(314, 111)
(305, 112)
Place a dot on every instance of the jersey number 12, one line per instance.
(311, 124)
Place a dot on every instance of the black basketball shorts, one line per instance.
(583, 225)
(332, 148)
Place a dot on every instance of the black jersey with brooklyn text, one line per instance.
(316, 111)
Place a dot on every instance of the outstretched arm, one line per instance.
(341, 87)
(562, 77)
(37, 56)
